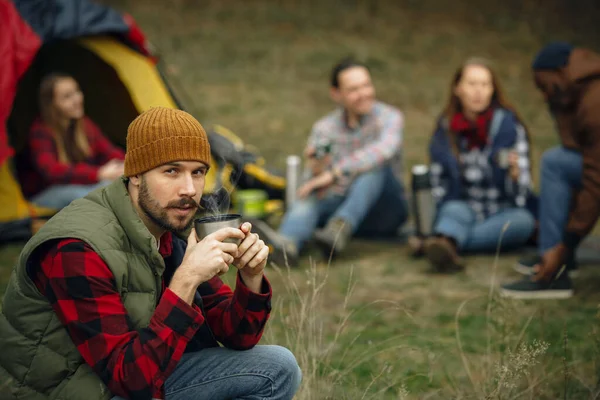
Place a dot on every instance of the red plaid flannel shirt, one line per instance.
(45, 169)
(136, 363)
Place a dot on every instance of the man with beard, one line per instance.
(106, 301)
(569, 79)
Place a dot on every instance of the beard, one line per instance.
(560, 100)
(159, 215)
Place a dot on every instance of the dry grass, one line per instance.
(350, 348)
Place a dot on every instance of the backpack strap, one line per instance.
(496, 122)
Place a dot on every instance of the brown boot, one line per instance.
(334, 237)
(416, 246)
(442, 254)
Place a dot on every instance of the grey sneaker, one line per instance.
(334, 237)
(525, 266)
(525, 289)
(282, 250)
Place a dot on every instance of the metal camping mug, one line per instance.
(206, 225)
(503, 158)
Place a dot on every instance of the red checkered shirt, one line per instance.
(43, 169)
(135, 363)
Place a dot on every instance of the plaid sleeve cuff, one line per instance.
(254, 301)
(93, 175)
(178, 315)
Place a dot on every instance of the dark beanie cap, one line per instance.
(554, 55)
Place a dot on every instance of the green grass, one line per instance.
(261, 67)
(405, 325)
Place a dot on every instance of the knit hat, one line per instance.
(554, 56)
(161, 135)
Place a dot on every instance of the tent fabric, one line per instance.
(136, 71)
(36, 36)
(108, 102)
(18, 46)
(66, 19)
(111, 73)
(16, 207)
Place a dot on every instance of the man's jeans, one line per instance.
(457, 220)
(562, 170)
(374, 206)
(261, 373)
(60, 196)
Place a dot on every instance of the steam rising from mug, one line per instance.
(217, 202)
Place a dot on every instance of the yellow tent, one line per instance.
(118, 83)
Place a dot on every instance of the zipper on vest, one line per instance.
(159, 286)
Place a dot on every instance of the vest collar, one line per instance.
(118, 198)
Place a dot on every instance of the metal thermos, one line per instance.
(292, 176)
(423, 200)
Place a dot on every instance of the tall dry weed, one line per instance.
(508, 369)
(322, 344)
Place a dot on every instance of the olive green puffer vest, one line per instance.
(38, 360)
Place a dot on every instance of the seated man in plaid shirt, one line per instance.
(354, 185)
(107, 303)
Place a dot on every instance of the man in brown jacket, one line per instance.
(569, 79)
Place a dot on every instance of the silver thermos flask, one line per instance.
(292, 176)
(423, 201)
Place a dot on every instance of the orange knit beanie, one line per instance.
(161, 135)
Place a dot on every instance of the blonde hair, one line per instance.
(72, 144)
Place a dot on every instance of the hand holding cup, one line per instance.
(203, 260)
(252, 254)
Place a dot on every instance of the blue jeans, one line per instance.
(562, 170)
(60, 196)
(374, 206)
(458, 221)
(263, 372)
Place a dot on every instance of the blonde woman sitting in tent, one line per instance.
(67, 155)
